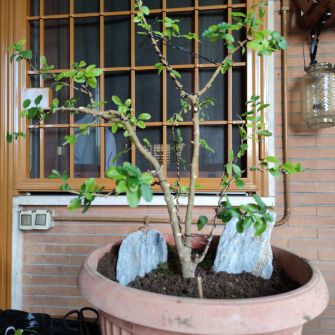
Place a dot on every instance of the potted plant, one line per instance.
(126, 310)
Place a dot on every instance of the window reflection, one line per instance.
(87, 154)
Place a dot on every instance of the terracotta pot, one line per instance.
(124, 310)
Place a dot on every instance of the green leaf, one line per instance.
(264, 132)
(27, 54)
(98, 72)
(145, 10)
(176, 74)
(231, 155)
(259, 202)
(239, 226)
(127, 103)
(237, 170)
(238, 14)
(65, 187)
(144, 116)
(26, 103)
(272, 159)
(239, 183)
(55, 175)
(202, 222)
(121, 187)
(92, 82)
(146, 192)
(247, 222)
(229, 169)
(9, 138)
(116, 100)
(71, 139)
(133, 198)
(205, 145)
(115, 128)
(141, 124)
(115, 173)
(260, 227)
(38, 99)
(147, 178)
(74, 204)
(132, 170)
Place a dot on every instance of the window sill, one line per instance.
(158, 200)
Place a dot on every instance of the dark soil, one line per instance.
(167, 280)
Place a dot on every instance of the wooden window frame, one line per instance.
(254, 182)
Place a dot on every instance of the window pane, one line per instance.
(86, 6)
(35, 43)
(153, 4)
(34, 153)
(154, 136)
(116, 83)
(239, 35)
(34, 81)
(62, 96)
(217, 92)
(86, 40)
(239, 92)
(179, 152)
(149, 95)
(179, 3)
(87, 154)
(211, 163)
(117, 41)
(210, 52)
(117, 5)
(212, 2)
(56, 154)
(34, 7)
(52, 7)
(180, 56)
(115, 144)
(84, 100)
(242, 163)
(173, 97)
(145, 53)
(56, 43)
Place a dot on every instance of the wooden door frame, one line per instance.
(12, 21)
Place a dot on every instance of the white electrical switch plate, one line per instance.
(36, 220)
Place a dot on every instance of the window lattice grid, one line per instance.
(130, 69)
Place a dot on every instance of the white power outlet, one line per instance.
(36, 220)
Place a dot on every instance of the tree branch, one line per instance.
(161, 57)
(194, 170)
(163, 183)
(208, 85)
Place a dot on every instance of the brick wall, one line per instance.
(52, 259)
(310, 231)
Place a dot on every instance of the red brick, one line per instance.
(46, 259)
(305, 243)
(69, 280)
(286, 231)
(51, 290)
(50, 269)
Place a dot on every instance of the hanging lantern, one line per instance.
(318, 96)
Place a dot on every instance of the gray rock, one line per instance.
(245, 252)
(140, 253)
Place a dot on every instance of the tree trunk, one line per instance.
(187, 265)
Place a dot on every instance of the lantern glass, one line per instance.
(318, 96)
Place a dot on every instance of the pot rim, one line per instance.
(315, 275)
(207, 316)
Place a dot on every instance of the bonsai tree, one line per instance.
(128, 178)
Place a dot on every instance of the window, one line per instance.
(103, 33)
